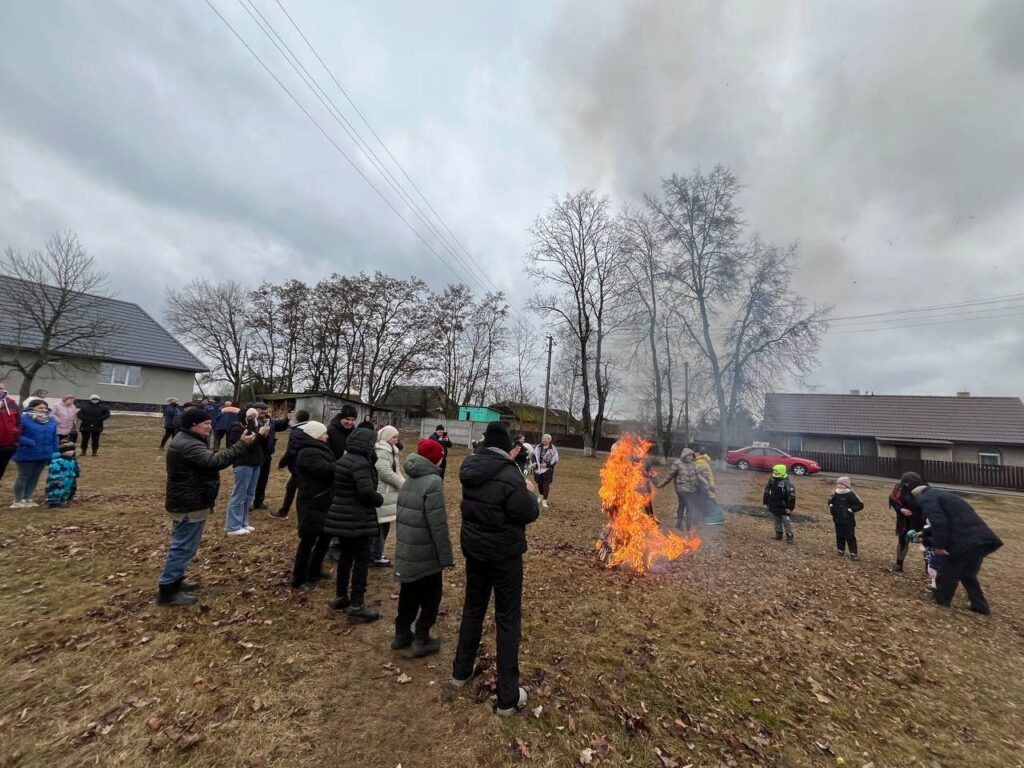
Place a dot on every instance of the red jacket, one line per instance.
(10, 423)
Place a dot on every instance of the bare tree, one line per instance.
(711, 275)
(213, 318)
(524, 354)
(54, 311)
(566, 374)
(323, 327)
(575, 249)
(278, 315)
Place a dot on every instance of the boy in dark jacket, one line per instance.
(92, 417)
(844, 504)
(193, 482)
(62, 479)
(960, 535)
(497, 505)
(423, 549)
(780, 498)
(353, 519)
(314, 483)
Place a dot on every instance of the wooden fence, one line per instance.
(950, 472)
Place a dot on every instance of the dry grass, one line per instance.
(710, 662)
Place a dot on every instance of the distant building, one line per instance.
(136, 368)
(323, 406)
(978, 430)
(416, 402)
(527, 418)
(478, 413)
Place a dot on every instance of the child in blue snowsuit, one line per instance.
(62, 481)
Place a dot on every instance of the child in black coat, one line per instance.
(844, 504)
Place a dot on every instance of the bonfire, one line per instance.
(634, 538)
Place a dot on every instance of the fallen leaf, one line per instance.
(666, 759)
(404, 678)
(524, 748)
(537, 712)
(154, 723)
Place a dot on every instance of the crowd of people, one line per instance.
(350, 486)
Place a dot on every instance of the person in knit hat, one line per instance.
(423, 549)
(314, 482)
(844, 504)
(497, 505)
(780, 499)
(91, 417)
(389, 483)
(193, 483)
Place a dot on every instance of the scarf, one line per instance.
(40, 418)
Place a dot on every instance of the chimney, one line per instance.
(963, 394)
(854, 391)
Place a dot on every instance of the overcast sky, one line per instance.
(887, 138)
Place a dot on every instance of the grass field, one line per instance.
(746, 653)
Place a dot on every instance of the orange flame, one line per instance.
(633, 537)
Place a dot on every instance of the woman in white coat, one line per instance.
(389, 481)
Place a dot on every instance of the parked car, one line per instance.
(756, 457)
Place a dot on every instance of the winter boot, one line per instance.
(362, 614)
(424, 645)
(171, 594)
(778, 537)
(189, 586)
(789, 539)
(403, 638)
(340, 603)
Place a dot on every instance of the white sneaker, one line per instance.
(17, 504)
(249, 529)
(544, 504)
(29, 503)
(512, 710)
(238, 532)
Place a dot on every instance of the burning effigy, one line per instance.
(634, 537)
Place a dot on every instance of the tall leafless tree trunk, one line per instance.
(575, 249)
(53, 304)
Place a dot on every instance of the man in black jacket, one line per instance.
(339, 428)
(497, 505)
(193, 482)
(92, 416)
(276, 425)
(288, 462)
(958, 533)
(440, 435)
(353, 519)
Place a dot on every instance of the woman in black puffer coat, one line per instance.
(314, 483)
(353, 519)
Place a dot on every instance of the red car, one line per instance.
(765, 458)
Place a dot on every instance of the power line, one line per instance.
(332, 109)
(994, 300)
(330, 139)
(935, 316)
(366, 122)
(924, 324)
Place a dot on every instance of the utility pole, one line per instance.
(547, 389)
(686, 404)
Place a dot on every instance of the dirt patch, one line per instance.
(745, 653)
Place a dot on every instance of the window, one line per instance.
(851, 447)
(121, 375)
(795, 444)
(990, 457)
(773, 452)
(756, 451)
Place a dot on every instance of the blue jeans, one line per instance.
(28, 478)
(242, 496)
(185, 537)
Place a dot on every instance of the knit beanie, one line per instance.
(312, 428)
(844, 482)
(252, 413)
(496, 436)
(68, 448)
(431, 450)
(348, 412)
(301, 417)
(192, 417)
(386, 433)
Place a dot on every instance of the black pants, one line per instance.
(90, 437)
(218, 436)
(354, 562)
(309, 559)
(846, 535)
(168, 434)
(289, 494)
(505, 579)
(962, 569)
(422, 597)
(5, 457)
(544, 482)
(687, 513)
(261, 482)
(377, 544)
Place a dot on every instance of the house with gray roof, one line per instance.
(975, 430)
(136, 367)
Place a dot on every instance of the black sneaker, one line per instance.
(261, 505)
(189, 586)
(340, 603)
(425, 647)
(403, 639)
(361, 614)
(895, 568)
(177, 599)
